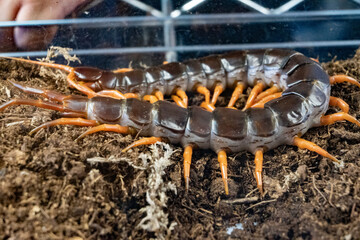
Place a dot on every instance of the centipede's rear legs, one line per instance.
(70, 106)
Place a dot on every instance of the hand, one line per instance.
(32, 38)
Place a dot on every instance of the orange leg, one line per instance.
(315, 60)
(262, 102)
(207, 106)
(258, 170)
(178, 101)
(181, 99)
(182, 95)
(187, 162)
(236, 94)
(143, 141)
(121, 70)
(84, 88)
(337, 102)
(304, 144)
(151, 98)
(206, 92)
(71, 79)
(270, 91)
(32, 102)
(68, 106)
(107, 128)
(253, 94)
(111, 93)
(53, 95)
(223, 167)
(66, 121)
(51, 65)
(159, 95)
(81, 86)
(340, 116)
(343, 78)
(217, 91)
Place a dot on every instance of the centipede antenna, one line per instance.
(304, 144)
(143, 141)
(258, 169)
(236, 94)
(66, 121)
(336, 117)
(343, 78)
(187, 162)
(223, 167)
(51, 65)
(105, 128)
(253, 94)
(338, 102)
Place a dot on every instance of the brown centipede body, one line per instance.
(297, 99)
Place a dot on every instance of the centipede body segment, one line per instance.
(297, 99)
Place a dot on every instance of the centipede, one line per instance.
(290, 94)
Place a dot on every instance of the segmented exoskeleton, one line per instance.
(298, 98)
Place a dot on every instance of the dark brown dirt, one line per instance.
(52, 187)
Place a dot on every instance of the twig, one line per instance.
(251, 192)
(197, 211)
(260, 203)
(331, 194)
(242, 200)
(313, 180)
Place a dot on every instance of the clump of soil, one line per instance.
(53, 187)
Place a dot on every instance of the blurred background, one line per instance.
(111, 33)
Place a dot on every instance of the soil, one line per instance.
(53, 187)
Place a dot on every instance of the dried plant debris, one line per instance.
(55, 51)
(55, 188)
(156, 220)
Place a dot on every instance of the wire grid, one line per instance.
(190, 13)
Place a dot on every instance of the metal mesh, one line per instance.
(172, 30)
